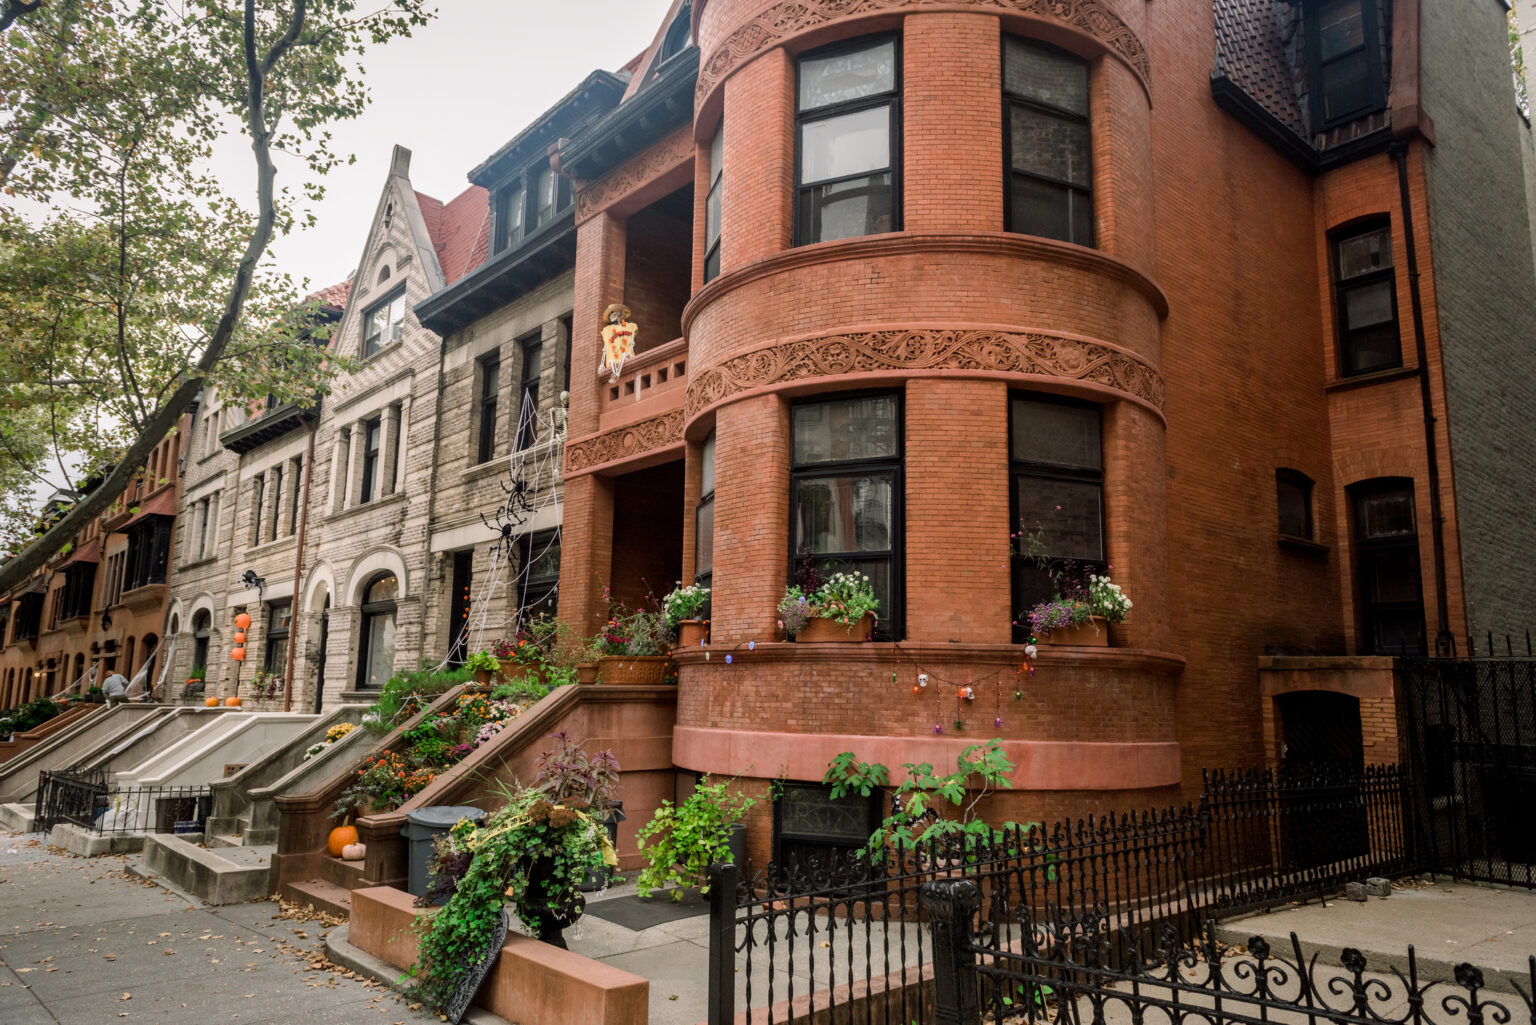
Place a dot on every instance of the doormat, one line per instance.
(637, 914)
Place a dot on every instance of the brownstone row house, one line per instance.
(1230, 299)
(99, 606)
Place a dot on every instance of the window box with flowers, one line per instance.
(1077, 615)
(682, 610)
(839, 607)
(633, 646)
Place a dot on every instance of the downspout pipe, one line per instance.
(1445, 641)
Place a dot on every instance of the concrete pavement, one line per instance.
(83, 942)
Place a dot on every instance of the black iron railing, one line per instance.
(87, 800)
(1060, 968)
(848, 938)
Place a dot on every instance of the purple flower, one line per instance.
(937, 728)
(998, 721)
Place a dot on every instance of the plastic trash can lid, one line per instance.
(444, 816)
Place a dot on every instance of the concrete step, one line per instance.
(227, 875)
(320, 895)
(346, 874)
(17, 818)
(216, 840)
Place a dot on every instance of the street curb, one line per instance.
(363, 963)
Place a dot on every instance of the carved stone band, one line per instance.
(656, 161)
(637, 439)
(868, 352)
(791, 17)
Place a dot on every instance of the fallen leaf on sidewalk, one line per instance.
(125, 996)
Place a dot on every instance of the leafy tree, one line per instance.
(130, 277)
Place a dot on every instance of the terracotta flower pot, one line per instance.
(482, 676)
(692, 633)
(586, 672)
(822, 631)
(1092, 634)
(632, 669)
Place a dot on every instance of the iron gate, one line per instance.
(65, 796)
(1470, 731)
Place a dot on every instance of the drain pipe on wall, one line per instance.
(298, 571)
(1445, 641)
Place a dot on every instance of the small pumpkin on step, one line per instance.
(354, 852)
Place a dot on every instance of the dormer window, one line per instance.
(1344, 52)
(676, 39)
(527, 202)
(553, 195)
(509, 216)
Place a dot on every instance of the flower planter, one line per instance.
(1092, 634)
(632, 669)
(482, 676)
(822, 631)
(691, 633)
(586, 672)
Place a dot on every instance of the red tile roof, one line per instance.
(333, 296)
(459, 229)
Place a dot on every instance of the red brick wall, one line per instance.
(952, 77)
(751, 519)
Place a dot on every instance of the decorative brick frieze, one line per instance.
(624, 442)
(635, 174)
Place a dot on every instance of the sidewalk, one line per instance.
(1493, 928)
(82, 942)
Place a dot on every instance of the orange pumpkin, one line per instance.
(232, 701)
(340, 837)
(211, 702)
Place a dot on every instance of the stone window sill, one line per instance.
(378, 503)
(1303, 545)
(1377, 377)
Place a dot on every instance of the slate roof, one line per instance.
(1251, 52)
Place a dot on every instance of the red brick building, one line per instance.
(1222, 296)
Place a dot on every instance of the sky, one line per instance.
(453, 94)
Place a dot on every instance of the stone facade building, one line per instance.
(100, 606)
(1214, 296)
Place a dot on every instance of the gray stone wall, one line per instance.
(1485, 286)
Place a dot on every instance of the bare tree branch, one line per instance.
(10, 10)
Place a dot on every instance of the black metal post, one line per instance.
(723, 880)
(951, 904)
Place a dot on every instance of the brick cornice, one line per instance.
(635, 174)
(791, 18)
(922, 350)
(647, 437)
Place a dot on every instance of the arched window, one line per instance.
(676, 39)
(376, 656)
(201, 625)
(383, 275)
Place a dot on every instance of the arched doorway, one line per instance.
(376, 653)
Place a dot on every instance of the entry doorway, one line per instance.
(647, 533)
(1321, 739)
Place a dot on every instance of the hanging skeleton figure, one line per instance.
(618, 339)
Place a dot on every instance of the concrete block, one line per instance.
(208, 874)
(1376, 886)
(89, 844)
(1355, 892)
(16, 818)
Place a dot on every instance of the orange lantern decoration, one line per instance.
(242, 622)
(239, 637)
(238, 654)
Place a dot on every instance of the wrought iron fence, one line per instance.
(1061, 969)
(86, 799)
(1469, 727)
(845, 939)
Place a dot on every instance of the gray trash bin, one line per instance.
(422, 827)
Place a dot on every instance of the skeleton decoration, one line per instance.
(618, 339)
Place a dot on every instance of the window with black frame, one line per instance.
(538, 560)
(704, 516)
(812, 829)
(376, 653)
(712, 209)
(149, 549)
(1391, 599)
(1344, 52)
(384, 323)
(370, 482)
(279, 621)
(847, 131)
(511, 202)
(1057, 497)
(845, 493)
(1048, 142)
(528, 392)
(1365, 294)
(490, 387)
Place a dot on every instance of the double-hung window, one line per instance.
(1293, 495)
(552, 193)
(383, 323)
(1344, 52)
(538, 564)
(490, 385)
(845, 494)
(1049, 144)
(847, 127)
(712, 209)
(1058, 498)
(704, 517)
(370, 483)
(279, 621)
(510, 205)
(1365, 293)
(528, 412)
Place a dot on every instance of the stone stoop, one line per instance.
(17, 818)
(330, 888)
(230, 875)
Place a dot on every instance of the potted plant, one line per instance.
(530, 856)
(484, 665)
(95, 696)
(840, 607)
(193, 689)
(566, 774)
(1077, 616)
(681, 842)
(633, 646)
(378, 785)
(681, 608)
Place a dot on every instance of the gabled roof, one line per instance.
(463, 233)
(333, 297)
